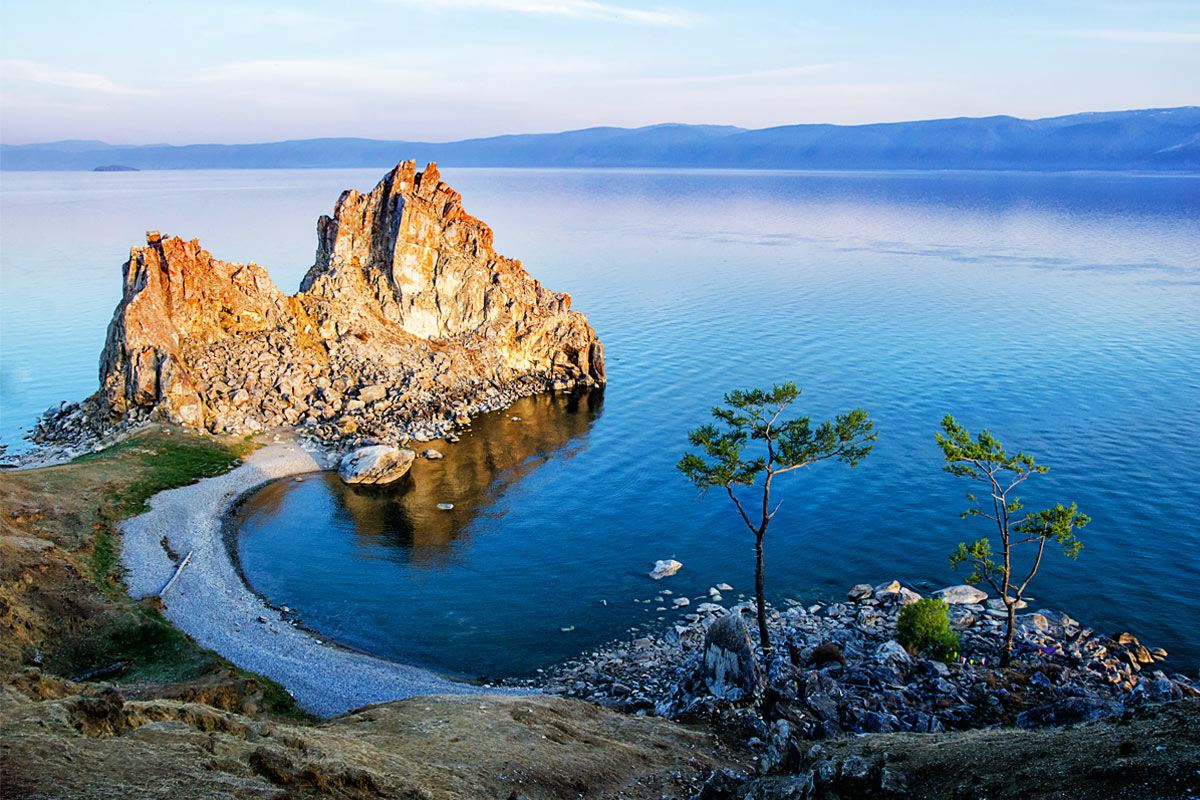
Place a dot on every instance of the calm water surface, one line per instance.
(1061, 311)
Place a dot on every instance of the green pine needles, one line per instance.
(985, 460)
(751, 443)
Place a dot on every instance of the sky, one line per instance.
(148, 71)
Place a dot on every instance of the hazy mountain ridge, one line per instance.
(1150, 139)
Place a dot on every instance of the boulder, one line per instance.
(861, 591)
(665, 568)
(892, 654)
(729, 669)
(431, 454)
(998, 605)
(1057, 618)
(1033, 622)
(887, 591)
(907, 597)
(375, 465)
(821, 695)
(962, 595)
(373, 393)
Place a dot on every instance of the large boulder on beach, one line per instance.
(375, 465)
(729, 669)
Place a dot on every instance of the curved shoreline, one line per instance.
(212, 603)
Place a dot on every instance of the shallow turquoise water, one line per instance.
(1062, 311)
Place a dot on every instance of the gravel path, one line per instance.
(212, 604)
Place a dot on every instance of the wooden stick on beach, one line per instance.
(178, 570)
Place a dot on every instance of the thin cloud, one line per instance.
(1139, 37)
(577, 9)
(765, 74)
(32, 72)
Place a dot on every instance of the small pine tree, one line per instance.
(751, 419)
(985, 460)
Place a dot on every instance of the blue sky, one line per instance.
(246, 71)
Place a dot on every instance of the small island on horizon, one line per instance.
(115, 168)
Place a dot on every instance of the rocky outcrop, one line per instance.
(407, 323)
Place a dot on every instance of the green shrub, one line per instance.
(924, 627)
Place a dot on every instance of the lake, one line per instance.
(1062, 311)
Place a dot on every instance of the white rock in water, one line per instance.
(445, 506)
(962, 595)
(908, 597)
(375, 465)
(724, 587)
(665, 568)
(680, 602)
(431, 454)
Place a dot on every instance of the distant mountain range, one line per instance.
(1165, 139)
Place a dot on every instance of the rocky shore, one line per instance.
(838, 669)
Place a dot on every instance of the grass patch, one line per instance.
(168, 463)
(103, 558)
(149, 465)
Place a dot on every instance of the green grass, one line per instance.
(168, 463)
(103, 558)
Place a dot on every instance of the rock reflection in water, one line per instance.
(495, 453)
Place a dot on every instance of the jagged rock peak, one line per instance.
(430, 269)
(407, 305)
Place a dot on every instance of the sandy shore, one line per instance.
(212, 604)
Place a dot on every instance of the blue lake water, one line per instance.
(1061, 311)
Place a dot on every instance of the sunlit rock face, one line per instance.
(408, 256)
(177, 297)
(407, 322)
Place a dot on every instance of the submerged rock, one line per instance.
(375, 465)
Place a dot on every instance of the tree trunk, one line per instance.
(1006, 653)
(759, 594)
